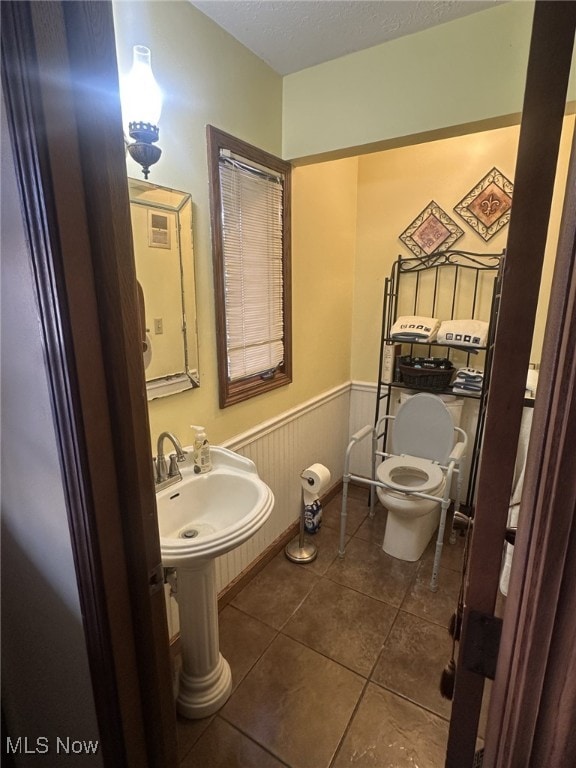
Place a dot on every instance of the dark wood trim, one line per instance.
(532, 705)
(236, 392)
(438, 134)
(59, 68)
(544, 105)
(412, 139)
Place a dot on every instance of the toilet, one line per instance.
(422, 439)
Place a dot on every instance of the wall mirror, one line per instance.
(163, 250)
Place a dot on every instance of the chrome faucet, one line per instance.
(167, 475)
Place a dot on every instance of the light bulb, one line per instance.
(141, 96)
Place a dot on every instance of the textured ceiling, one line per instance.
(290, 35)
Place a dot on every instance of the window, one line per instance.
(250, 211)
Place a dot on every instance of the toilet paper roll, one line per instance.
(315, 479)
(147, 351)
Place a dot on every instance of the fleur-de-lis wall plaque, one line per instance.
(486, 208)
(432, 230)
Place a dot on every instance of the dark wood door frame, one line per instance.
(544, 107)
(61, 89)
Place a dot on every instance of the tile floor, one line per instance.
(336, 662)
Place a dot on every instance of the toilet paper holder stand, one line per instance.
(300, 550)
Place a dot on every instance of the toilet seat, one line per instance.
(429, 473)
(423, 426)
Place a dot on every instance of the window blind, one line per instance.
(251, 200)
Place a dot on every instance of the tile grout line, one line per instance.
(253, 740)
(361, 697)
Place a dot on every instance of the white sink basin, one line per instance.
(204, 516)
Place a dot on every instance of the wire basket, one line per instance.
(433, 373)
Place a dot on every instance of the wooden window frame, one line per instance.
(232, 392)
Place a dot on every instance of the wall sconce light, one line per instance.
(141, 99)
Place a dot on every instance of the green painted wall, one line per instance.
(467, 70)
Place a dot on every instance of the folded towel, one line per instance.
(463, 333)
(465, 388)
(470, 375)
(415, 328)
(468, 381)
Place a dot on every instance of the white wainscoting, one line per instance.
(315, 431)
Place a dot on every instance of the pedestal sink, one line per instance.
(201, 517)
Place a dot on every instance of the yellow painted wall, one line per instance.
(323, 251)
(394, 186)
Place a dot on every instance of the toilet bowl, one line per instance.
(411, 520)
(423, 436)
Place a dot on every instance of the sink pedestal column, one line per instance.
(205, 679)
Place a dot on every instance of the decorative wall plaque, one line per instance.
(432, 230)
(486, 208)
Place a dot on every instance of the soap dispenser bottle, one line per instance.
(202, 460)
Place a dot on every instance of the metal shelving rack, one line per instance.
(449, 285)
